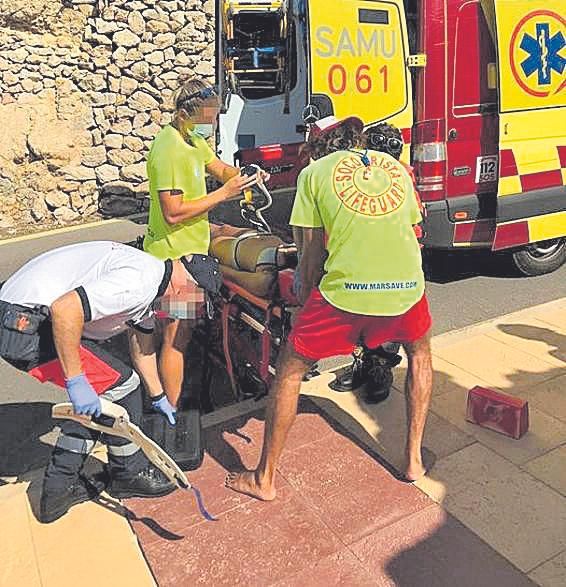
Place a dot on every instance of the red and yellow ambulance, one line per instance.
(478, 88)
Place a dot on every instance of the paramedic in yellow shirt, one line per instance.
(177, 164)
(369, 287)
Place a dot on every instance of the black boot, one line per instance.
(372, 368)
(352, 376)
(379, 377)
(149, 482)
(56, 503)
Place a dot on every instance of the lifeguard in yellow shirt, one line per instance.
(177, 164)
(361, 278)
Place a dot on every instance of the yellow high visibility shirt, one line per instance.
(374, 264)
(174, 164)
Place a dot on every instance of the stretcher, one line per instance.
(253, 313)
(255, 309)
(255, 44)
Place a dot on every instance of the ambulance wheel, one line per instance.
(539, 258)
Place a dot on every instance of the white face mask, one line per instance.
(204, 130)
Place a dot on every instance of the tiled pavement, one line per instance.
(340, 519)
(492, 511)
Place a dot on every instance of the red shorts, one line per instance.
(322, 331)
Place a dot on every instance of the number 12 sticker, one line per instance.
(486, 168)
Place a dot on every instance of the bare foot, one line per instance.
(248, 484)
(414, 472)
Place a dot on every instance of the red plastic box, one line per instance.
(498, 411)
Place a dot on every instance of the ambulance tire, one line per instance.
(540, 258)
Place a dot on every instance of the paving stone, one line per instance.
(516, 514)
(544, 434)
(534, 337)
(448, 378)
(550, 469)
(256, 541)
(229, 447)
(347, 488)
(549, 397)
(382, 427)
(555, 317)
(19, 566)
(433, 548)
(499, 364)
(174, 515)
(552, 573)
(73, 535)
(239, 445)
(340, 568)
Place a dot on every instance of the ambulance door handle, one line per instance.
(505, 128)
(452, 134)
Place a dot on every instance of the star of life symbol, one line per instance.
(544, 53)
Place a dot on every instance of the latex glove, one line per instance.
(161, 405)
(82, 396)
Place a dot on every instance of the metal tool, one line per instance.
(115, 420)
(249, 211)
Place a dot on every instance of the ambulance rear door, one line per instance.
(531, 45)
(358, 61)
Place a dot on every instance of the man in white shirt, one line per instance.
(54, 308)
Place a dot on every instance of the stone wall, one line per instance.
(86, 85)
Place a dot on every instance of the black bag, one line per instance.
(113, 206)
(19, 332)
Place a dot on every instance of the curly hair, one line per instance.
(341, 138)
(378, 135)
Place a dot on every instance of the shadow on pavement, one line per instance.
(544, 334)
(121, 510)
(450, 555)
(21, 427)
(449, 266)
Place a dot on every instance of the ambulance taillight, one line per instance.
(429, 160)
(271, 152)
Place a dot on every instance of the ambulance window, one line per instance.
(373, 16)
(475, 49)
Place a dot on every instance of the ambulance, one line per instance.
(477, 87)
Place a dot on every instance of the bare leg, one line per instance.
(176, 336)
(281, 413)
(418, 390)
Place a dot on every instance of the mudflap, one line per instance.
(183, 442)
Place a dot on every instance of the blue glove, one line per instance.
(161, 405)
(82, 396)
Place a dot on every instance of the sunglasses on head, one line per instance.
(204, 93)
(391, 143)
